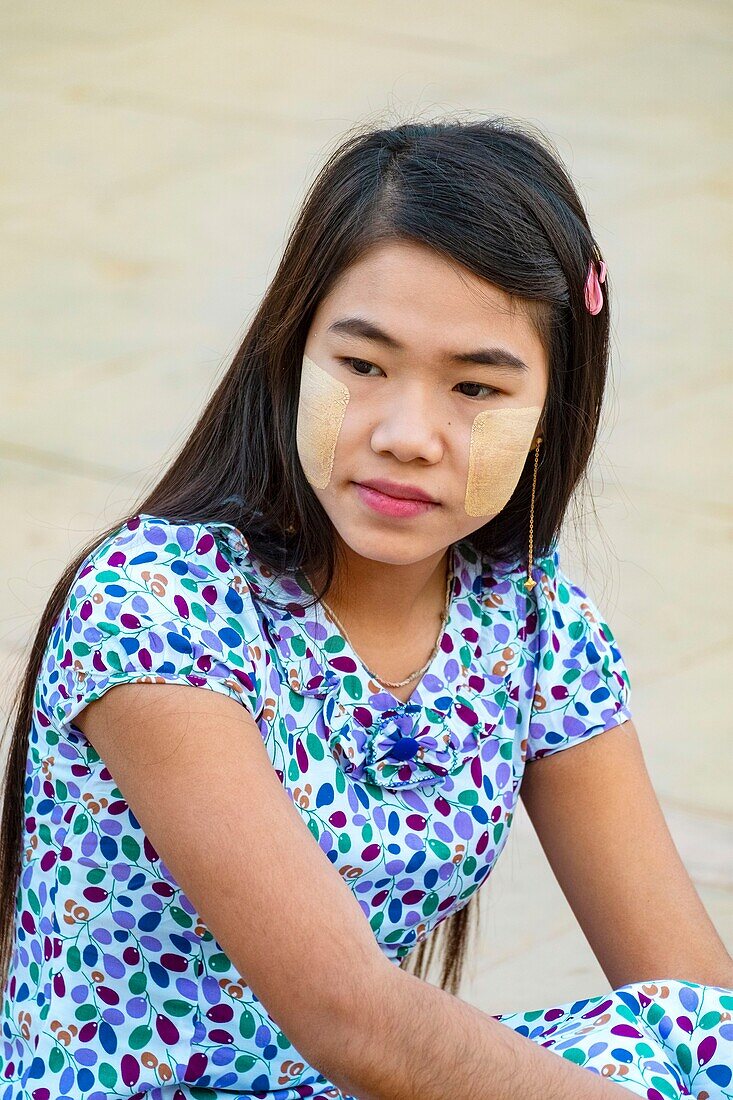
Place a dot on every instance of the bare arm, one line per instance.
(599, 821)
(422, 1043)
(193, 768)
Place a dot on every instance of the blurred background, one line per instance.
(154, 155)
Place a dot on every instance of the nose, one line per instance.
(409, 426)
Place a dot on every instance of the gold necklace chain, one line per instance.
(419, 671)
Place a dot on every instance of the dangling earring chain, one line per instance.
(530, 583)
(419, 671)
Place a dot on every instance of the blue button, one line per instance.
(404, 749)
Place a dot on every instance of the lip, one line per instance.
(392, 506)
(397, 490)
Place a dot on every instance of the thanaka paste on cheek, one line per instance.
(321, 407)
(500, 441)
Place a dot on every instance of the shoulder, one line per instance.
(157, 600)
(582, 684)
(555, 594)
(566, 608)
(501, 586)
(188, 556)
(144, 539)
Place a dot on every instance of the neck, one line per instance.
(366, 594)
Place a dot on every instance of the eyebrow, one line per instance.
(367, 330)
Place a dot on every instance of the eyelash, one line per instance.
(472, 397)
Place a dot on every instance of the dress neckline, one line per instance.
(315, 649)
(333, 630)
(466, 701)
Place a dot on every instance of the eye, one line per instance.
(360, 362)
(490, 390)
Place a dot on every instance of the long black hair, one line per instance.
(488, 193)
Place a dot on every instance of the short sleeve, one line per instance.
(157, 602)
(582, 685)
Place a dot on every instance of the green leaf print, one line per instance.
(56, 1060)
(344, 843)
(131, 848)
(441, 850)
(113, 660)
(661, 1084)
(138, 983)
(377, 920)
(314, 746)
(352, 686)
(431, 903)
(108, 628)
(174, 1007)
(574, 1054)
(140, 1037)
(684, 1057)
(219, 962)
(107, 1075)
(180, 916)
(247, 1024)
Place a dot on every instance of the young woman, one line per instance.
(354, 559)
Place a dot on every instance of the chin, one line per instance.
(392, 548)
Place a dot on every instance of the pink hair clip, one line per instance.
(593, 293)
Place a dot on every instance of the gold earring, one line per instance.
(530, 583)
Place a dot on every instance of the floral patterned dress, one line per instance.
(118, 989)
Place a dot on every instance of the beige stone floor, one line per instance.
(153, 157)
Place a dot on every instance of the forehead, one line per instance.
(428, 301)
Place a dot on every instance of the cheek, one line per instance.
(321, 407)
(500, 442)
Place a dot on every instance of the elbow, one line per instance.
(341, 1037)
